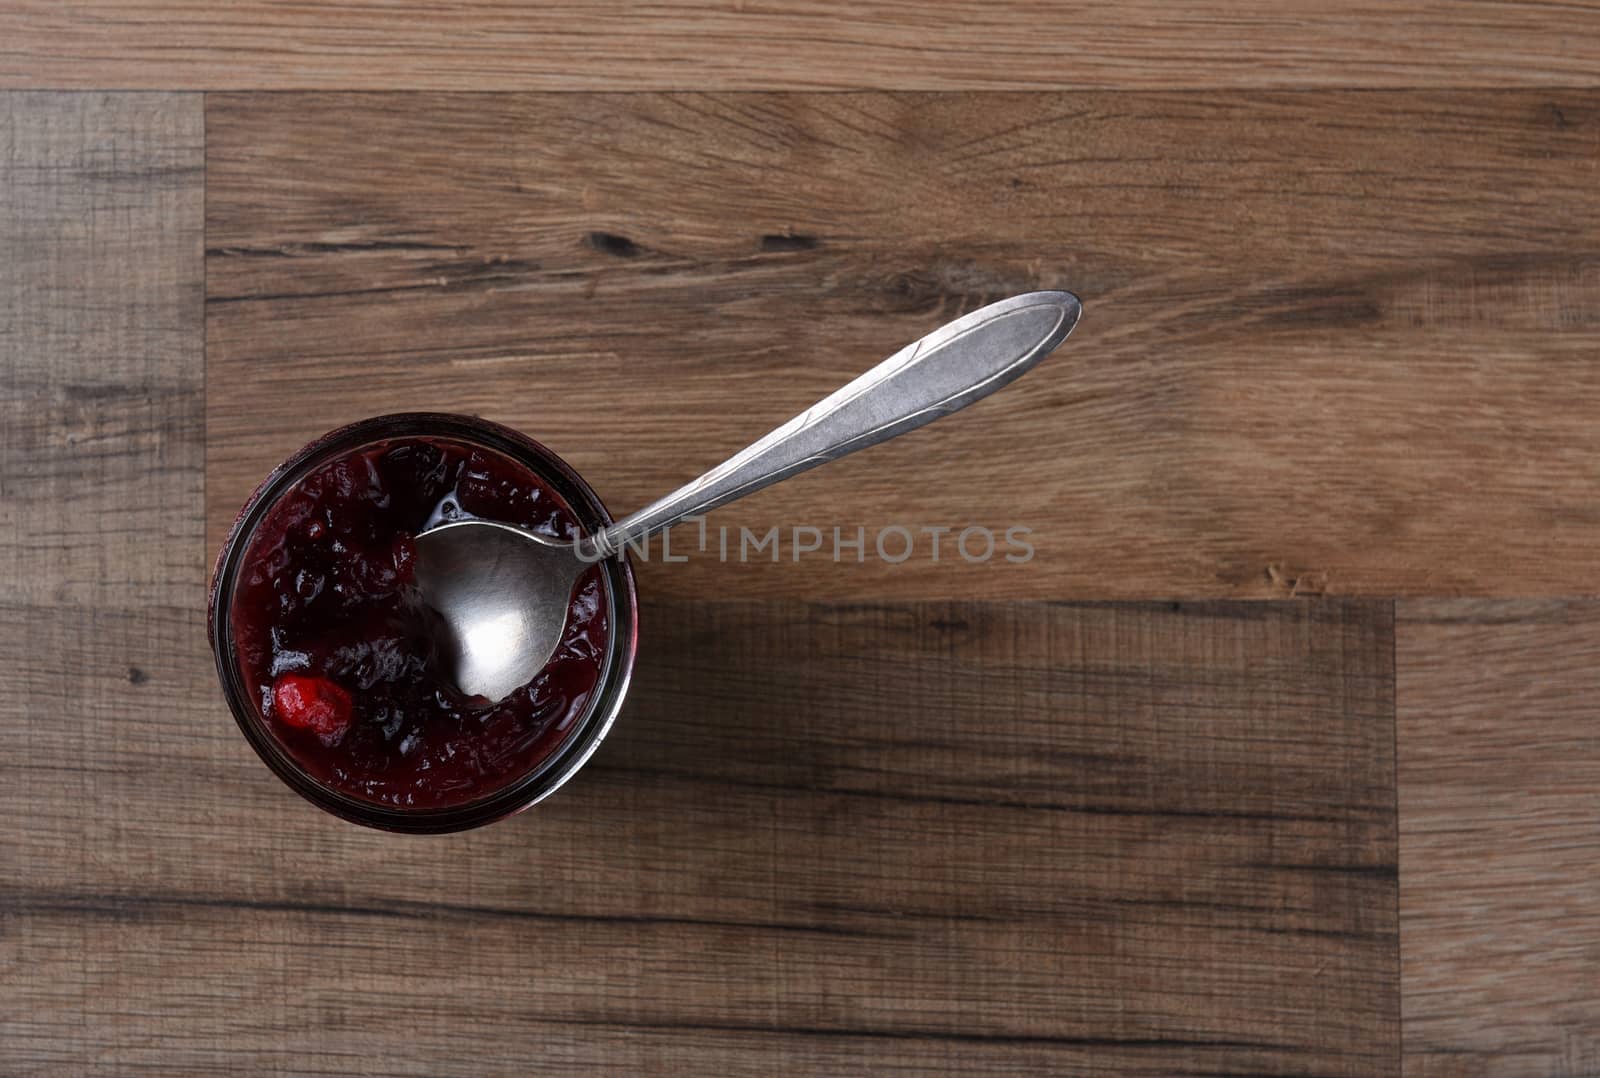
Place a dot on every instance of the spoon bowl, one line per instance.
(503, 594)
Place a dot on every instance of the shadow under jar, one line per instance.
(326, 653)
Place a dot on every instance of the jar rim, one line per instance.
(550, 773)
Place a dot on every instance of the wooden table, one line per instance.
(1278, 756)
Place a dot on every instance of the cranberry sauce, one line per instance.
(334, 643)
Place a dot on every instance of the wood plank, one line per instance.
(1333, 342)
(102, 554)
(101, 374)
(907, 838)
(1499, 836)
(822, 44)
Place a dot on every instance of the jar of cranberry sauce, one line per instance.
(326, 653)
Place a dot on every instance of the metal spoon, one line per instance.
(503, 592)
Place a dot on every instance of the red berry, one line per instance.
(312, 703)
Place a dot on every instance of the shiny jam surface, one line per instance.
(334, 642)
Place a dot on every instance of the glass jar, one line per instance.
(547, 773)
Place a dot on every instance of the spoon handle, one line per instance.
(944, 372)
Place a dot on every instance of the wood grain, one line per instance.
(1337, 343)
(1499, 836)
(825, 838)
(102, 557)
(819, 44)
(101, 421)
(1333, 343)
